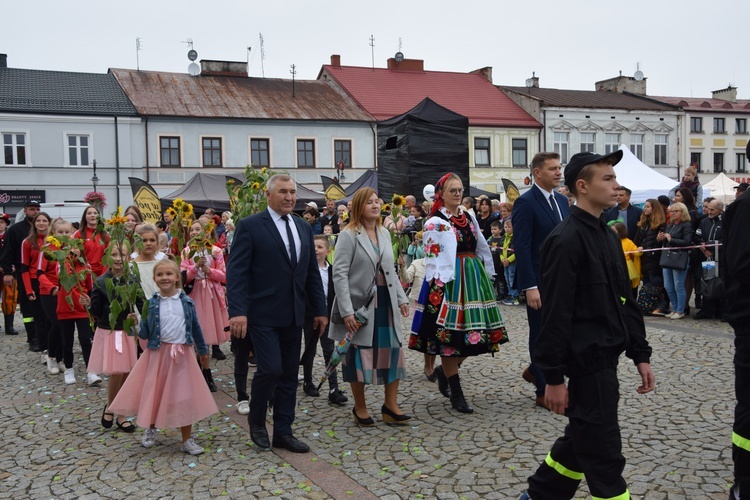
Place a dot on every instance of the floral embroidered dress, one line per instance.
(456, 313)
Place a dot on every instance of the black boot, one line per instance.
(9, 330)
(457, 395)
(209, 380)
(217, 354)
(442, 381)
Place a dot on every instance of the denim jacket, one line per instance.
(151, 331)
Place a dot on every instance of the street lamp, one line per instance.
(95, 179)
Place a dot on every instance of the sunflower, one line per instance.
(263, 170)
(209, 227)
(255, 186)
(172, 213)
(398, 201)
(53, 241)
(186, 210)
(178, 202)
(385, 208)
(208, 244)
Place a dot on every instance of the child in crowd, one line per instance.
(163, 243)
(114, 351)
(30, 253)
(632, 256)
(147, 258)
(207, 271)
(166, 387)
(414, 275)
(72, 313)
(508, 259)
(95, 239)
(496, 247)
(322, 248)
(49, 287)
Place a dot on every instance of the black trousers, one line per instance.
(85, 336)
(41, 325)
(535, 327)
(54, 337)
(308, 355)
(27, 313)
(741, 428)
(591, 445)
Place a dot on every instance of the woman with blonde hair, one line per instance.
(679, 233)
(364, 266)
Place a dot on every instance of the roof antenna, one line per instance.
(137, 50)
(293, 71)
(372, 49)
(262, 56)
(193, 68)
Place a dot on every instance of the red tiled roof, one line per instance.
(386, 93)
(708, 105)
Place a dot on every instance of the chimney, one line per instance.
(223, 68)
(532, 82)
(406, 64)
(623, 84)
(336, 61)
(727, 94)
(3, 60)
(485, 72)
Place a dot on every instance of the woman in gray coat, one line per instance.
(364, 258)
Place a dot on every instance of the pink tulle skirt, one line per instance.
(212, 312)
(166, 389)
(113, 352)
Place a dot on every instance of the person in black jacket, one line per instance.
(653, 221)
(590, 318)
(679, 233)
(735, 271)
(707, 235)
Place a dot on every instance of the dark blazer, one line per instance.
(261, 282)
(533, 220)
(634, 215)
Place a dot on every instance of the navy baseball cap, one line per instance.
(580, 160)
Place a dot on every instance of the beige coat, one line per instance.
(353, 271)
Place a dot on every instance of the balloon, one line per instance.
(428, 192)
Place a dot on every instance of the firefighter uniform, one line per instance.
(590, 318)
(734, 269)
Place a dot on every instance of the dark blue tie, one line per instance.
(292, 246)
(553, 206)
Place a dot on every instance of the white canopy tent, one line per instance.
(641, 179)
(721, 188)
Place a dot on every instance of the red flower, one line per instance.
(434, 249)
(435, 298)
(412, 341)
(496, 336)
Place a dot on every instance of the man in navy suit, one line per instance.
(535, 214)
(624, 211)
(272, 271)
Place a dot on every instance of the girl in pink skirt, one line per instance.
(114, 351)
(206, 270)
(166, 387)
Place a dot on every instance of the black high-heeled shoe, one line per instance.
(442, 381)
(126, 426)
(362, 422)
(107, 424)
(392, 418)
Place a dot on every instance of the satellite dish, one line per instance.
(399, 57)
(428, 192)
(194, 69)
(638, 75)
(192, 55)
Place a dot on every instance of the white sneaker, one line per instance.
(52, 366)
(243, 407)
(677, 316)
(70, 376)
(93, 379)
(300, 377)
(44, 358)
(189, 446)
(149, 438)
(61, 366)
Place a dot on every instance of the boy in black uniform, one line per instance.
(590, 319)
(735, 271)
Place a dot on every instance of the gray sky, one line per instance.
(686, 48)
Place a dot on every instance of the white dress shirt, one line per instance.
(281, 226)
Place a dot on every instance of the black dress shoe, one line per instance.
(290, 443)
(337, 397)
(259, 436)
(310, 390)
(392, 418)
(442, 381)
(362, 422)
(217, 354)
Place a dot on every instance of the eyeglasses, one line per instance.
(456, 191)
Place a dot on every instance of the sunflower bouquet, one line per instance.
(74, 272)
(201, 244)
(182, 216)
(249, 197)
(397, 209)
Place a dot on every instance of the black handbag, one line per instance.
(674, 259)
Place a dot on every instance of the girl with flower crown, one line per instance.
(457, 315)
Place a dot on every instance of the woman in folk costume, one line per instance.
(457, 315)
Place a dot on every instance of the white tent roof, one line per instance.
(721, 187)
(644, 181)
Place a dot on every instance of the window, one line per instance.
(481, 152)
(170, 151)
(660, 149)
(342, 152)
(14, 149)
(696, 124)
(636, 145)
(211, 151)
(306, 153)
(587, 142)
(740, 125)
(719, 126)
(718, 162)
(561, 145)
(695, 159)
(259, 153)
(611, 143)
(78, 150)
(741, 162)
(519, 153)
